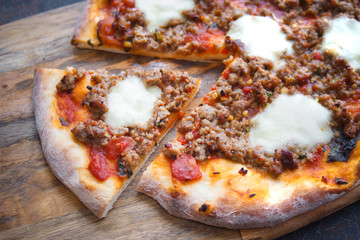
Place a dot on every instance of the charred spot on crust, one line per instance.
(287, 160)
(323, 179)
(216, 172)
(98, 35)
(90, 43)
(243, 171)
(341, 148)
(340, 181)
(123, 170)
(252, 195)
(203, 208)
(93, 45)
(64, 122)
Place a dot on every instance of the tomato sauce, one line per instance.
(353, 106)
(103, 159)
(207, 37)
(68, 107)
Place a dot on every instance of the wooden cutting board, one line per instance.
(33, 203)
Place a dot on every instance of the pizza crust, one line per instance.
(86, 30)
(228, 194)
(60, 149)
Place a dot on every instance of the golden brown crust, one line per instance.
(60, 149)
(203, 57)
(86, 27)
(229, 196)
(252, 200)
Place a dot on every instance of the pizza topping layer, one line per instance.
(130, 103)
(262, 37)
(85, 99)
(185, 168)
(220, 126)
(159, 13)
(181, 28)
(295, 120)
(342, 38)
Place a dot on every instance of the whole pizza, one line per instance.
(275, 137)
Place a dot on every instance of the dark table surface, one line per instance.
(344, 224)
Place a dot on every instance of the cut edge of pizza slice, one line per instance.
(94, 31)
(90, 169)
(235, 194)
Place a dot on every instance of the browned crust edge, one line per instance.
(233, 216)
(59, 155)
(82, 23)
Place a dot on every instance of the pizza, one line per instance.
(278, 134)
(97, 129)
(161, 28)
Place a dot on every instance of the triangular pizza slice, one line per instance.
(97, 129)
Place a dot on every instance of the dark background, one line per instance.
(344, 224)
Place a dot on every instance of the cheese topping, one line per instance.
(131, 103)
(262, 37)
(158, 13)
(342, 38)
(294, 120)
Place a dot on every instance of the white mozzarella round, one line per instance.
(262, 37)
(131, 103)
(291, 120)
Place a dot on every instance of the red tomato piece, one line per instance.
(317, 56)
(226, 73)
(98, 166)
(182, 139)
(116, 146)
(106, 31)
(185, 168)
(196, 133)
(247, 89)
(224, 51)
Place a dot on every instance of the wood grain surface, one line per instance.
(34, 204)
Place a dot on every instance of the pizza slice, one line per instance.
(253, 154)
(97, 129)
(276, 136)
(162, 28)
(183, 29)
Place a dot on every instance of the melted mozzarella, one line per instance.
(343, 38)
(262, 37)
(158, 13)
(294, 120)
(130, 103)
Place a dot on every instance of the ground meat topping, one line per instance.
(70, 78)
(126, 26)
(176, 89)
(91, 132)
(220, 126)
